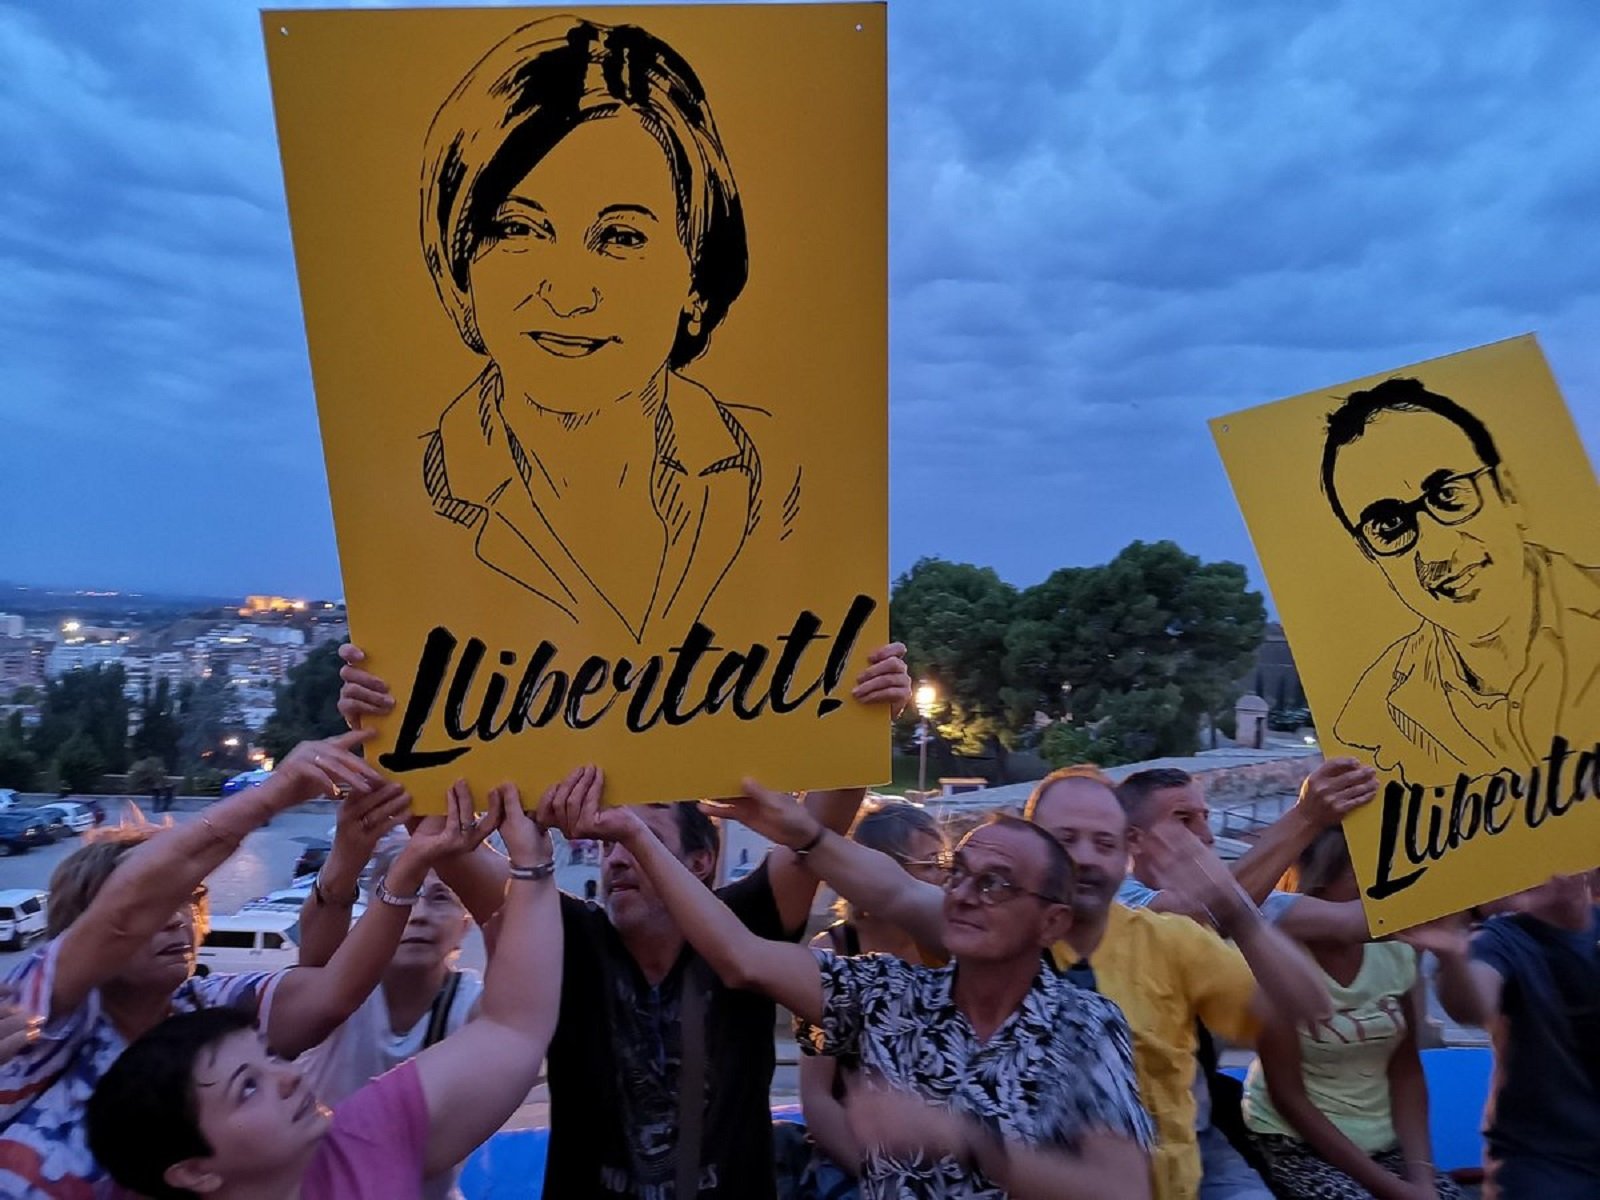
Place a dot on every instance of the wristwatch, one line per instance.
(383, 893)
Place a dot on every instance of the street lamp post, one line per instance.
(927, 697)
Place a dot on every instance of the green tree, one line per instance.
(1151, 642)
(89, 703)
(79, 763)
(953, 618)
(203, 716)
(159, 730)
(307, 703)
(19, 768)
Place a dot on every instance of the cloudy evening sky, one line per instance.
(1110, 220)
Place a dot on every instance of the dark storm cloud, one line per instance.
(1109, 221)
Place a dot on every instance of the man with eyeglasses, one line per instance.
(1165, 972)
(1507, 652)
(994, 1076)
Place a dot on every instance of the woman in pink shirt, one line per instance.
(198, 1106)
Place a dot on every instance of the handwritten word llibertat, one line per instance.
(1421, 825)
(693, 680)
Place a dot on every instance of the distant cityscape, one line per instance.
(252, 644)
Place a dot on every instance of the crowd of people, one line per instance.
(1038, 1010)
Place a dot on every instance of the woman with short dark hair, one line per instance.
(595, 474)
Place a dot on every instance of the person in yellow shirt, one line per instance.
(1165, 972)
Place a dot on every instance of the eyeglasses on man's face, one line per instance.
(1389, 527)
(990, 887)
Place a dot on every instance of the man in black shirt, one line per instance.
(644, 1023)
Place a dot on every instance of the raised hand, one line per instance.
(458, 831)
(1335, 790)
(366, 817)
(327, 768)
(573, 806)
(777, 816)
(527, 843)
(887, 679)
(362, 693)
(1443, 937)
(1192, 875)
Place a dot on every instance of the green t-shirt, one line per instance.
(1345, 1058)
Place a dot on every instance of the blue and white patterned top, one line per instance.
(44, 1151)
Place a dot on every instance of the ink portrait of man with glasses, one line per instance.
(1506, 652)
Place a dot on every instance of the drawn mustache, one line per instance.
(1431, 574)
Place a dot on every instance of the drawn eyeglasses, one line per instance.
(1389, 527)
(990, 887)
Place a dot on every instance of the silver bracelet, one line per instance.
(383, 893)
(533, 874)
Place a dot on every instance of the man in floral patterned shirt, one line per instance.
(995, 1076)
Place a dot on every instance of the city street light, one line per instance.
(926, 697)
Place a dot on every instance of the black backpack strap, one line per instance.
(439, 1014)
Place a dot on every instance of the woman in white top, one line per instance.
(424, 997)
(1340, 1108)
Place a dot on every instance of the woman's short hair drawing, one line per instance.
(527, 94)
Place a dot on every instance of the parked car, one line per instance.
(253, 939)
(22, 916)
(72, 816)
(244, 780)
(21, 831)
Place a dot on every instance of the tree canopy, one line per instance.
(1117, 663)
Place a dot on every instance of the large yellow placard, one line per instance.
(596, 306)
(1432, 538)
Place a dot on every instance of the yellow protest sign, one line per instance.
(1432, 538)
(596, 309)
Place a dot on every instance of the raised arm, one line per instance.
(1330, 793)
(479, 878)
(867, 878)
(161, 876)
(1104, 1164)
(786, 972)
(363, 821)
(310, 1002)
(1288, 983)
(886, 681)
(1469, 990)
(475, 1079)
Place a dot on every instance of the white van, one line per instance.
(22, 916)
(252, 940)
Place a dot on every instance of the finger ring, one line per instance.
(366, 823)
(342, 791)
(466, 828)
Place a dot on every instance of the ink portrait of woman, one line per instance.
(585, 235)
